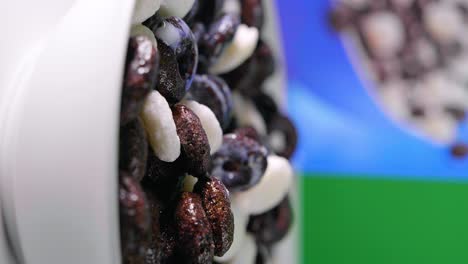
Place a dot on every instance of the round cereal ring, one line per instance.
(242, 47)
(271, 189)
(240, 163)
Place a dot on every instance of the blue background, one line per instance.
(342, 131)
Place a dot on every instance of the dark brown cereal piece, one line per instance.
(142, 65)
(168, 237)
(164, 179)
(459, 150)
(340, 17)
(193, 140)
(252, 13)
(249, 132)
(219, 34)
(457, 113)
(217, 205)
(195, 238)
(263, 254)
(266, 106)
(134, 220)
(213, 92)
(283, 125)
(133, 149)
(250, 75)
(272, 226)
(154, 247)
(190, 17)
(208, 11)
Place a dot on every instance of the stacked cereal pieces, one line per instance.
(416, 54)
(203, 161)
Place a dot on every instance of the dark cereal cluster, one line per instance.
(193, 140)
(416, 53)
(142, 65)
(215, 199)
(193, 230)
(178, 173)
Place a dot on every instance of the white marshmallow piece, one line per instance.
(188, 183)
(209, 123)
(394, 99)
(247, 253)
(242, 47)
(240, 232)
(232, 6)
(271, 189)
(140, 30)
(144, 9)
(384, 33)
(443, 21)
(247, 114)
(426, 53)
(442, 129)
(178, 8)
(277, 140)
(160, 127)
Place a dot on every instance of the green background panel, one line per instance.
(372, 221)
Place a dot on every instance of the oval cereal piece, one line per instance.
(195, 238)
(215, 199)
(160, 127)
(271, 189)
(209, 122)
(193, 140)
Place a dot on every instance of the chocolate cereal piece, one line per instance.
(248, 78)
(219, 34)
(168, 236)
(459, 150)
(249, 132)
(133, 149)
(195, 238)
(266, 106)
(282, 136)
(193, 139)
(263, 254)
(134, 220)
(154, 247)
(274, 225)
(213, 92)
(215, 200)
(252, 13)
(164, 179)
(142, 64)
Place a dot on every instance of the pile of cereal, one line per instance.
(416, 54)
(204, 174)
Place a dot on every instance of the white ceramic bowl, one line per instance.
(60, 80)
